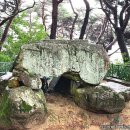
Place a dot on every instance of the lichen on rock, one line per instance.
(98, 99)
(22, 106)
(52, 58)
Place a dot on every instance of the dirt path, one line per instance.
(63, 114)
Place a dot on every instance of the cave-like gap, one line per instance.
(63, 85)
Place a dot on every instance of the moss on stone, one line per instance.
(72, 75)
(98, 99)
(4, 105)
(6, 122)
(24, 107)
(4, 109)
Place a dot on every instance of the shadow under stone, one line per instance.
(63, 86)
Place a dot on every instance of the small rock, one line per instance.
(35, 82)
(29, 80)
(13, 82)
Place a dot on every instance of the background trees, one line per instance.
(61, 19)
(118, 14)
(82, 33)
(55, 4)
(33, 32)
(8, 10)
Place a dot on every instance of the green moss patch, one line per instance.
(4, 110)
(4, 105)
(24, 107)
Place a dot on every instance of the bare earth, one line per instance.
(64, 114)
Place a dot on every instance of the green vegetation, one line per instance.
(5, 66)
(120, 71)
(4, 105)
(4, 58)
(21, 32)
(4, 110)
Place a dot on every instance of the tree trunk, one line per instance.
(74, 22)
(105, 21)
(54, 20)
(83, 29)
(122, 45)
(43, 14)
(5, 33)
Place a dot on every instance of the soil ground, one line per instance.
(64, 114)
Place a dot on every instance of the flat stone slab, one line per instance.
(123, 82)
(118, 88)
(52, 58)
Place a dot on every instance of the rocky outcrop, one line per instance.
(22, 106)
(98, 99)
(53, 58)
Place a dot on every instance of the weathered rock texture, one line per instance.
(20, 106)
(26, 79)
(26, 105)
(118, 88)
(98, 99)
(53, 58)
(13, 82)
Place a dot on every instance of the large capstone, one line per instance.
(52, 58)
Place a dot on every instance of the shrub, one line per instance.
(120, 71)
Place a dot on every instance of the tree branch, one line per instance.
(16, 13)
(109, 6)
(76, 16)
(121, 14)
(102, 30)
(83, 29)
(9, 21)
(43, 14)
(4, 35)
(126, 20)
(59, 1)
(112, 43)
(114, 52)
(107, 13)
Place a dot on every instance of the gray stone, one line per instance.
(29, 80)
(27, 105)
(34, 82)
(126, 95)
(13, 82)
(52, 58)
(98, 99)
(118, 88)
(52, 83)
